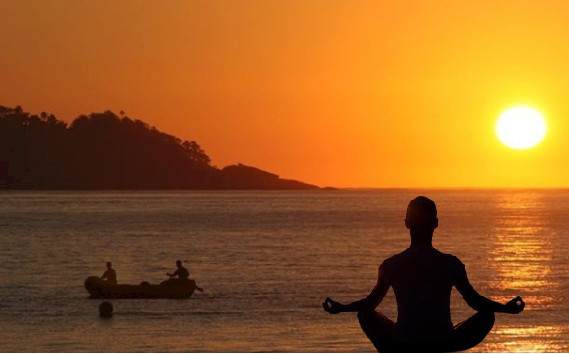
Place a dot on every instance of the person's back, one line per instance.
(181, 273)
(422, 279)
(110, 276)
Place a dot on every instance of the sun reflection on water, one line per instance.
(522, 339)
(521, 255)
(521, 258)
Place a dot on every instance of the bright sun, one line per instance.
(520, 128)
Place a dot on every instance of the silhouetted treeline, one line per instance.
(106, 151)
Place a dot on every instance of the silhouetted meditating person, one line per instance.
(422, 279)
(110, 276)
(181, 273)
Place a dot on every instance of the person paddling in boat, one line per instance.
(422, 279)
(181, 273)
(110, 276)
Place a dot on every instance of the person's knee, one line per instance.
(377, 328)
(366, 319)
(485, 322)
(488, 318)
(474, 330)
(361, 316)
(364, 314)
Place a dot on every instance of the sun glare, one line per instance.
(520, 128)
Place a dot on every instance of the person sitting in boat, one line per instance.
(181, 273)
(110, 276)
(422, 279)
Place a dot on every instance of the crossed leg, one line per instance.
(468, 334)
(472, 331)
(377, 328)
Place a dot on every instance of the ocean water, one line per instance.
(266, 261)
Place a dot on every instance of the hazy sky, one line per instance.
(343, 93)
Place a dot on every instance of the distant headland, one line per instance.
(106, 151)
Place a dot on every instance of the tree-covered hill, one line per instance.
(107, 151)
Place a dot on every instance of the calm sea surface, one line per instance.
(266, 261)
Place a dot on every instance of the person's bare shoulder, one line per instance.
(393, 260)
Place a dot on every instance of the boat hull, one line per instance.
(169, 289)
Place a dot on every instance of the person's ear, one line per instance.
(435, 223)
(407, 225)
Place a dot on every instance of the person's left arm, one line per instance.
(368, 303)
(482, 303)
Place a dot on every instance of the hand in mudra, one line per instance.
(331, 306)
(515, 306)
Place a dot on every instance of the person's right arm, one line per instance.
(481, 303)
(368, 303)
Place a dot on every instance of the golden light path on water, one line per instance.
(521, 258)
(527, 339)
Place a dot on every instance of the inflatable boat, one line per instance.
(168, 289)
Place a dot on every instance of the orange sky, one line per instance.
(342, 93)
